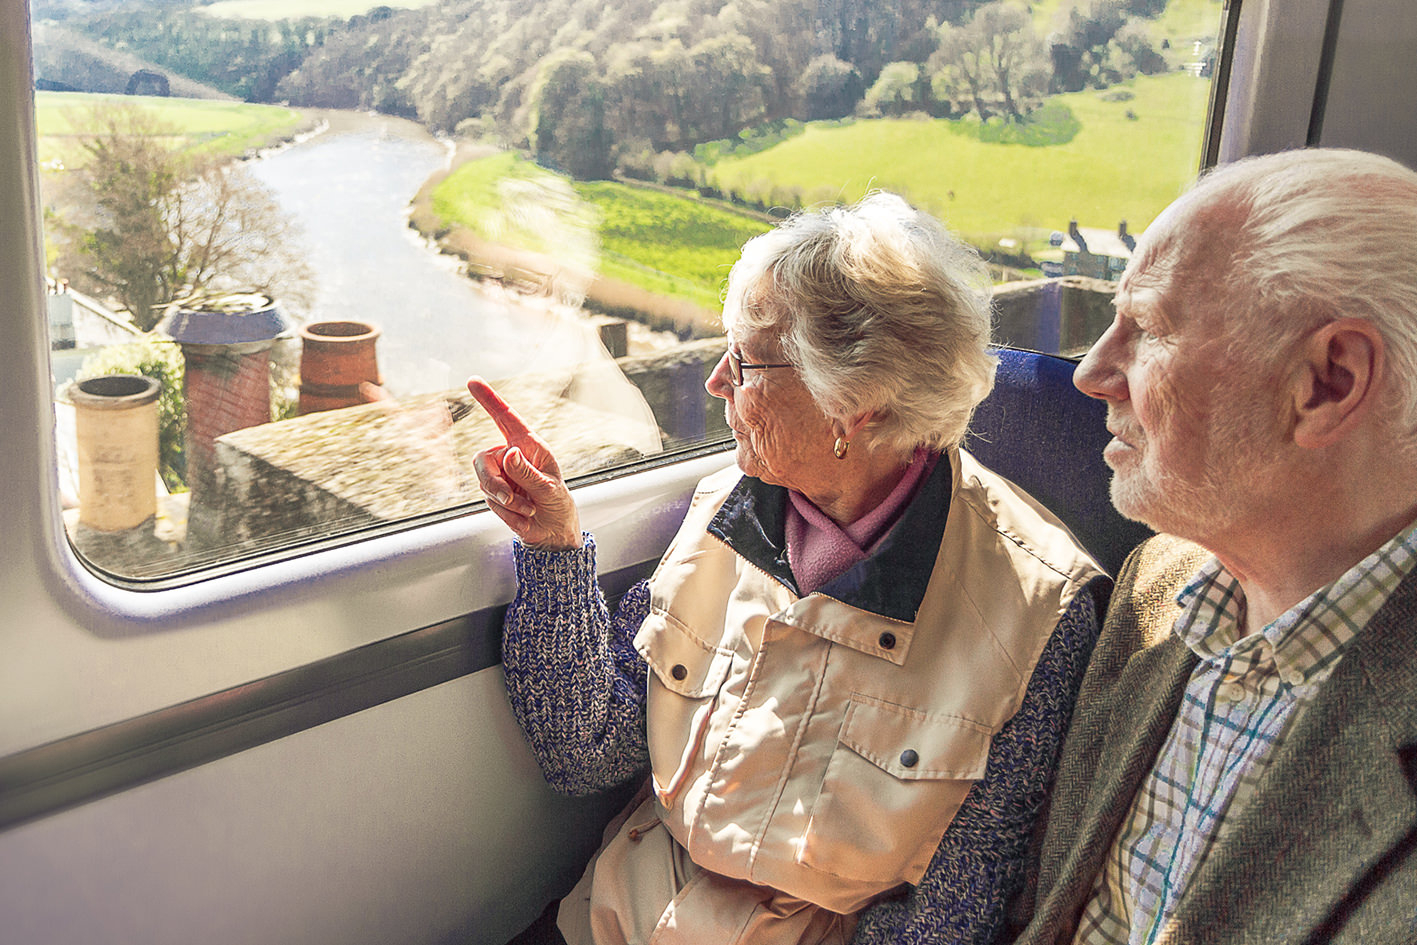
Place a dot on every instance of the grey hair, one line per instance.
(1321, 234)
(878, 308)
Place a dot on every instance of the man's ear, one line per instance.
(1336, 381)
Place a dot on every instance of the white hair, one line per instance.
(878, 308)
(1316, 235)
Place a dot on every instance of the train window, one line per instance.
(281, 235)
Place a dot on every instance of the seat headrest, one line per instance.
(1045, 435)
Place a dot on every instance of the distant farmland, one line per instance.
(1135, 147)
(1122, 154)
(207, 125)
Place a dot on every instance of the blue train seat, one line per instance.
(1041, 432)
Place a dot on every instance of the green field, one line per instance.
(674, 245)
(1125, 153)
(1185, 21)
(1116, 167)
(295, 9)
(634, 222)
(64, 119)
(470, 196)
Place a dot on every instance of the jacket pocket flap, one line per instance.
(914, 745)
(683, 663)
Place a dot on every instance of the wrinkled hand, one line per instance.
(522, 481)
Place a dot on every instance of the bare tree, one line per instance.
(232, 235)
(996, 58)
(155, 224)
(1013, 52)
(961, 69)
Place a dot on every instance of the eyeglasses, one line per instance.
(736, 367)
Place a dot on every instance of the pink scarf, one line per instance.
(819, 549)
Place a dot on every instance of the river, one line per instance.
(350, 190)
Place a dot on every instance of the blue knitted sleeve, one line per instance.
(576, 683)
(981, 861)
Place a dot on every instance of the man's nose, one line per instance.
(1099, 374)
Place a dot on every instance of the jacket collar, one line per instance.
(890, 583)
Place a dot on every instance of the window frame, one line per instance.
(217, 623)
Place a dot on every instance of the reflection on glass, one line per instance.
(411, 198)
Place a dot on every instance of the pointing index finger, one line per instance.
(513, 428)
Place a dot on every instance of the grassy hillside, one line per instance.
(1122, 154)
(63, 119)
(1136, 147)
(1186, 20)
(706, 240)
(673, 245)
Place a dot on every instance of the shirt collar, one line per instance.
(1308, 639)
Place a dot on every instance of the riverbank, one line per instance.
(406, 300)
(530, 272)
(511, 276)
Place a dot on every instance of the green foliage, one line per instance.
(994, 63)
(896, 90)
(161, 361)
(241, 57)
(663, 75)
(748, 141)
(568, 125)
(829, 88)
(676, 74)
(299, 9)
(1085, 53)
(1050, 124)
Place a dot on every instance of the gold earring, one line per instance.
(840, 447)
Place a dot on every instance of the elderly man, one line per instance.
(1242, 766)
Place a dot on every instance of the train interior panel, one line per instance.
(309, 740)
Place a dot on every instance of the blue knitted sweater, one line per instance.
(577, 687)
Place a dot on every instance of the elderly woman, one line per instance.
(850, 672)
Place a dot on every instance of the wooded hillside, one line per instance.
(592, 86)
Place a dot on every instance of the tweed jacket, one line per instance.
(1326, 849)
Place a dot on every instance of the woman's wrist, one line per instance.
(552, 548)
(567, 542)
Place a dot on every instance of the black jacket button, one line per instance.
(679, 672)
(909, 759)
(887, 641)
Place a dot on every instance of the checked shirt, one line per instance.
(1240, 700)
